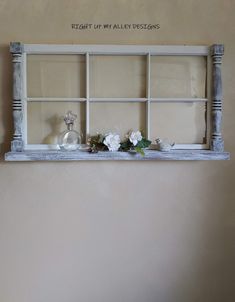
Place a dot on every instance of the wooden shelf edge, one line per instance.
(106, 155)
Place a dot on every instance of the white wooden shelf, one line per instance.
(45, 155)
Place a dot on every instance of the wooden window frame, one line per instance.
(214, 149)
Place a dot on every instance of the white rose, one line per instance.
(135, 137)
(112, 141)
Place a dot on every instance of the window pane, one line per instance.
(116, 117)
(118, 76)
(178, 76)
(182, 123)
(56, 76)
(45, 120)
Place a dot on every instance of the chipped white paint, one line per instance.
(17, 142)
(20, 150)
(171, 50)
(106, 155)
(217, 143)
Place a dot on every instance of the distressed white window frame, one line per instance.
(21, 150)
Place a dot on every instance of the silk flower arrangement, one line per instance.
(134, 141)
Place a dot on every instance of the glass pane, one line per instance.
(178, 76)
(116, 117)
(45, 120)
(56, 76)
(182, 123)
(118, 76)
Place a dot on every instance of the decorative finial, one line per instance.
(70, 117)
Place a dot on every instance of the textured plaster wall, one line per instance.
(117, 231)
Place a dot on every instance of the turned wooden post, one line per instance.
(217, 143)
(16, 50)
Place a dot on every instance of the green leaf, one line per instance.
(139, 150)
(144, 143)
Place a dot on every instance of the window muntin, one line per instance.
(82, 68)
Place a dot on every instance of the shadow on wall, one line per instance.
(6, 121)
(55, 122)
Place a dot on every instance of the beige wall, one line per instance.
(117, 231)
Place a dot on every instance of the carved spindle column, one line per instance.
(16, 50)
(217, 143)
